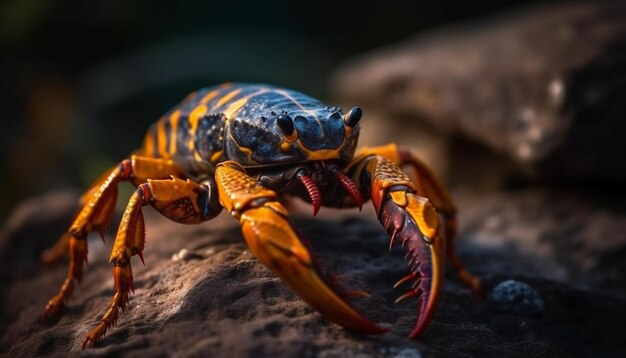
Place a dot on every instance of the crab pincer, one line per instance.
(273, 240)
(412, 223)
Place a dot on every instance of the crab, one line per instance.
(242, 147)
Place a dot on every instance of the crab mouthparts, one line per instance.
(313, 190)
(315, 195)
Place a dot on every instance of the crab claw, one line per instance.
(412, 222)
(273, 241)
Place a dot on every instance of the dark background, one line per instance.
(82, 80)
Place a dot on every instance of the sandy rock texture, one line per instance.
(543, 86)
(202, 293)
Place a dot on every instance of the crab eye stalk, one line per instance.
(285, 123)
(352, 117)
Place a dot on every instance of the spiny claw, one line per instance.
(101, 233)
(406, 278)
(140, 254)
(94, 335)
(272, 240)
(406, 295)
(414, 222)
(88, 342)
(392, 238)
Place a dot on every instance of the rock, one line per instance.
(554, 234)
(227, 304)
(22, 238)
(545, 86)
(408, 353)
(515, 297)
(186, 255)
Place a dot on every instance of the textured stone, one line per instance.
(224, 303)
(545, 86)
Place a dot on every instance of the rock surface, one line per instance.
(545, 86)
(213, 298)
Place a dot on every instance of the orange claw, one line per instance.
(272, 240)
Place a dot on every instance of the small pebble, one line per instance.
(407, 353)
(185, 255)
(515, 297)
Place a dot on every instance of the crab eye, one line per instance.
(286, 124)
(352, 118)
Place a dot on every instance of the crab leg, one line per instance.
(274, 242)
(183, 201)
(412, 222)
(428, 186)
(95, 215)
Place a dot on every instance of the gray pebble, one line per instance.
(186, 255)
(515, 297)
(408, 353)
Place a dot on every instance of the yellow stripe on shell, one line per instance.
(194, 118)
(161, 139)
(148, 144)
(174, 118)
(209, 96)
(236, 106)
(226, 98)
(247, 151)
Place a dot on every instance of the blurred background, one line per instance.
(81, 81)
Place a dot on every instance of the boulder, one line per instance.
(545, 86)
(202, 293)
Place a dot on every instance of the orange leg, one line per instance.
(180, 200)
(95, 215)
(58, 250)
(272, 239)
(427, 185)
